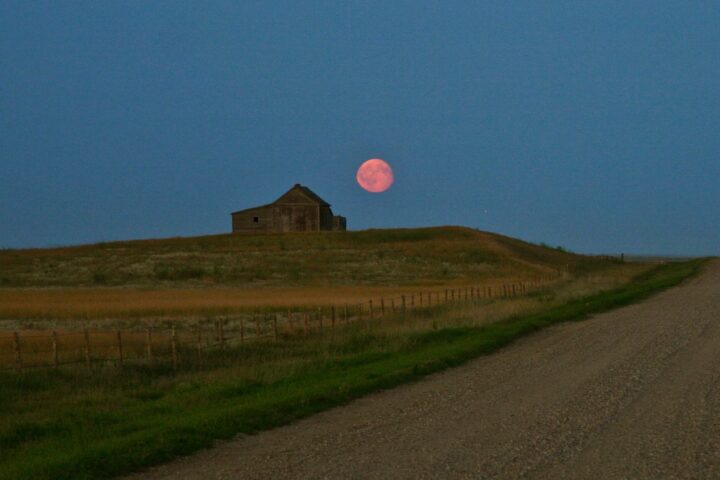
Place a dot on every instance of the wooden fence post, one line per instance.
(173, 346)
(242, 330)
(257, 327)
(412, 301)
(120, 348)
(221, 323)
(148, 343)
(56, 363)
(446, 295)
(275, 330)
(86, 334)
(332, 312)
(403, 303)
(320, 317)
(346, 313)
(306, 322)
(392, 304)
(199, 343)
(18, 352)
(382, 306)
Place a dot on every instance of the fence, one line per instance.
(52, 349)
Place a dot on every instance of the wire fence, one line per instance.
(176, 341)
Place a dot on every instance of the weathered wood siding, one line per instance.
(255, 220)
(298, 210)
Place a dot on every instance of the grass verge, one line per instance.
(143, 417)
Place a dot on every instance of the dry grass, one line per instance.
(390, 258)
(199, 334)
(108, 303)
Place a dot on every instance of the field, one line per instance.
(79, 422)
(225, 274)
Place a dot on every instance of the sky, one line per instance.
(594, 125)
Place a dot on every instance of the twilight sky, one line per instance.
(590, 124)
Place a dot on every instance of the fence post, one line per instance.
(242, 330)
(346, 313)
(412, 301)
(332, 312)
(257, 326)
(56, 363)
(87, 347)
(221, 323)
(320, 317)
(199, 343)
(18, 352)
(446, 295)
(306, 322)
(371, 310)
(403, 303)
(275, 326)
(173, 346)
(148, 343)
(392, 304)
(120, 348)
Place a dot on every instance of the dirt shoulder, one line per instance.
(634, 393)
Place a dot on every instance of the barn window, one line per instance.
(256, 219)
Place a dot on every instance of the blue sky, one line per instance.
(590, 124)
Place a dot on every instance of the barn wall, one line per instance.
(296, 218)
(326, 218)
(339, 223)
(245, 221)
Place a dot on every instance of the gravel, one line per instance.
(634, 393)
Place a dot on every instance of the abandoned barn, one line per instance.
(298, 210)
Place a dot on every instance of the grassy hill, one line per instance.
(396, 257)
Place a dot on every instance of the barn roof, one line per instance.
(305, 191)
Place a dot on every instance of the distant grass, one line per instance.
(65, 424)
(392, 257)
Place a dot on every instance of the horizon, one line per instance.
(593, 126)
(627, 255)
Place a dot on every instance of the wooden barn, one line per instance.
(298, 210)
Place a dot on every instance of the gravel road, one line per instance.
(634, 393)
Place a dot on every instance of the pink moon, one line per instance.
(375, 175)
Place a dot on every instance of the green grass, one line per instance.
(72, 425)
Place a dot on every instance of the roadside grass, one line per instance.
(68, 424)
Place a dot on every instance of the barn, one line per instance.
(298, 210)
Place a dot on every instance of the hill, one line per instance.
(373, 257)
(226, 274)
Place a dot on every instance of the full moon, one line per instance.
(375, 175)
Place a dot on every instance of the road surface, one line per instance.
(633, 393)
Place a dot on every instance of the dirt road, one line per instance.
(633, 393)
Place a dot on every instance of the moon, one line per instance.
(375, 175)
